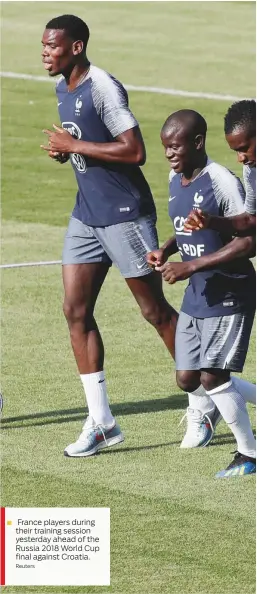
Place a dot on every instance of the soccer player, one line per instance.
(113, 219)
(217, 312)
(240, 133)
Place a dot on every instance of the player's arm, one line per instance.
(229, 194)
(241, 225)
(238, 248)
(111, 104)
(159, 257)
(128, 147)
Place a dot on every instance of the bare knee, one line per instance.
(188, 381)
(76, 313)
(156, 315)
(213, 380)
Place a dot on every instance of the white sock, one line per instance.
(199, 400)
(247, 390)
(97, 399)
(232, 407)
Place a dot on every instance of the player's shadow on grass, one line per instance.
(176, 401)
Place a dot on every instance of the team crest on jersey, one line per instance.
(78, 160)
(197, 199)
(78, 105)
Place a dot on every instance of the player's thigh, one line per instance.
(82, 283)
(81, 246)
(188, 343)
(225, 341)
(128, 243)
(85, 264)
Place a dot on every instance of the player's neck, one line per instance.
(193, 170)
(76, 76)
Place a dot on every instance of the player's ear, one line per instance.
(199, 141)
(77, 47)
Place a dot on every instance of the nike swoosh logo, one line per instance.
(60, 103)
(140, 265)
(172, 198)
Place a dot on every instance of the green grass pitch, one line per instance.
(174, 528)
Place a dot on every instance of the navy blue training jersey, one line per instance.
(230, 288)
(97, 111)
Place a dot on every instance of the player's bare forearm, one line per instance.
(170, 247)
(241, 225)
(173, 272)
(238, 248)
(112, 152)
(116, 152)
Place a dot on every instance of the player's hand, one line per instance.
(60, 157)
(156, 258)
(59, 141)
(196, 220)
(175, 271)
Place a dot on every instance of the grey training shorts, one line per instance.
(212, 343)
(124, 244)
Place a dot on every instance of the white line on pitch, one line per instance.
(30, 264)
(159, 90)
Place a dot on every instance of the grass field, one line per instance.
(175, 529)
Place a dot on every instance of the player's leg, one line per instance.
(82, 283)
(202, 418)
(148, 293)
(245, 388)
(224, 347)
(85, 266)
(127, 245)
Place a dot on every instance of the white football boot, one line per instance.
(200, 427)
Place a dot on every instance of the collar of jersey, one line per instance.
(209, 161)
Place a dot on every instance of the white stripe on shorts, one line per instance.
(233, 349)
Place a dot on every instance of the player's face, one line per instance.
(57, 53)
(244, 145)
(179, 150)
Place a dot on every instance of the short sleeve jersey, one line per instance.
(249, 177)
(98, 111)
(230, 288)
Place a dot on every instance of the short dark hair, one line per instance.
(188, 119)
(241, 114)
(73, 25)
